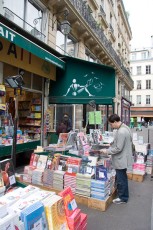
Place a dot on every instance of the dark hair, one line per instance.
(114, 117)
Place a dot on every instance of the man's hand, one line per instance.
(104, 151)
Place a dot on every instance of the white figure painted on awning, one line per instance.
(77, 89)
(94, 83)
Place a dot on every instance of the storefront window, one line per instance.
(37, 82)
(79, 115)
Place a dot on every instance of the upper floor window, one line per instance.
(102, 4)
(69, 48)
(133, 56)
(147, 99)
(148, 84)
(139, 99)
(131, 70)
(89, 56)
(148, 69)
(138, 70)
(27, 14)
(144, 55)
(138, 84)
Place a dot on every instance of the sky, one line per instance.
(141, 22)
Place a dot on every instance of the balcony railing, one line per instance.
(111, 28)
(82, 8)
(23, 24)
(102, 11)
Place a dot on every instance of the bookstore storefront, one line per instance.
(84, 87)
(38, 66)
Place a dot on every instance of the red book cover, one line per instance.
(31, 159)
(69, 201)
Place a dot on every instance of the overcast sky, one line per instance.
(141, 21)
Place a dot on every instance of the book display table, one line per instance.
(100, 205)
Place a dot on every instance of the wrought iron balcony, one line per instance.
(102, 11)
(111, 28)
(23, 24)
(82, 8)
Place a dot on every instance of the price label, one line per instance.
(63, 226)
(12, 179)
(73, 204)
(60, 167)
(69, 170)
(89, 169)
(101, 175)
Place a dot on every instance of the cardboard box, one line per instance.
(130, 176)
(99, 204)
(138, 178)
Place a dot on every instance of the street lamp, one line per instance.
(64, 26)
(65, 29)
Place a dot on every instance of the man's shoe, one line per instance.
(119, 201)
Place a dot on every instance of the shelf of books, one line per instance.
(30, 117)
(5, 151)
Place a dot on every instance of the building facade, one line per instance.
(142, 73)
(99, 33)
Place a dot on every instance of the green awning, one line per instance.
(23, 42)
(83, 81)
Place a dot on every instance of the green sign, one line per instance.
(83, 81)
(19, 40)
(95, 118)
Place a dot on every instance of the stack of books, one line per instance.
(83, 184)
(58, 180)
(83, 221)
(75, 219)
(70, 181)
(48, 178)
(37, 176)
(99, 189)
(10, 221)
(139, 169)
(149, 164)
(27, 174)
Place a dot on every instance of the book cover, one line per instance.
(69, 201)
(54, 209)
(8, 173)
(34, 217)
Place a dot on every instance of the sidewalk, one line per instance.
(135, 215)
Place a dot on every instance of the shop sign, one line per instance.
(19, 40)
(16, 56)
(83, 81)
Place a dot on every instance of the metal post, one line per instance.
(13, 154)
(65, 43)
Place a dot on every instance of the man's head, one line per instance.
(114, 121)
(66, 117)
